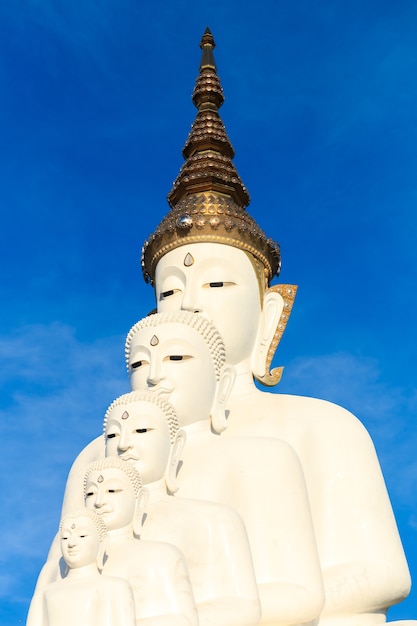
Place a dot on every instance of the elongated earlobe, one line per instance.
(278, 302)
(173, 461)
(102, 552)
(223, 390)
(139, 513)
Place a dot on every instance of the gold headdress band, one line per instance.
(208, 199)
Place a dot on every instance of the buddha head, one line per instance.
(141, 428)
(181, 356)
(224, 284)
(83, 537)
(113, 490)
(208, 255)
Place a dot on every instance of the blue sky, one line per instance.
(95, 108)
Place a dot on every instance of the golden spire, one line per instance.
(208, 199)
(208, 151)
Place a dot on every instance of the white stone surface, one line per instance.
(363, 563)
(298, 478)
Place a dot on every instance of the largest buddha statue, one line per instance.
(301, 473)
(209, 256)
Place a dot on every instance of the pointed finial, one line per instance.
(208, 92)
(207, 45)
(208, 199)
(208, 151)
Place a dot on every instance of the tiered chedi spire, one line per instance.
(208, 199)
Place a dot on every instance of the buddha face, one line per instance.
(110, 494)
(217, 281)
(139, 433)
(79, 541)
(174, 360)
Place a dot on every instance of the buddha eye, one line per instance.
(168, 293)
(89, 494)
(218, 283)
(137, 364)
(111, 435)
(177, 357)
(141, 430)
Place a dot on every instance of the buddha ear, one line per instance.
(140, 506)
(102, 552)
(273, 307)
(221, 397)
(278, 303)
(173, 461)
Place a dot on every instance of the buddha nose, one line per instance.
(125, 441)
(155, 374)
(190, 301)
(99, 499)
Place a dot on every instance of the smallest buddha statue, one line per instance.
(156, 571)
(84, 596)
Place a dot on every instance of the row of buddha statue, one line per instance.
(206, 501)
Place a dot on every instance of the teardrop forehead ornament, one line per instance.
(125, 415)
(72, 526)
(100, 479)
(189, 260)
(154, 341)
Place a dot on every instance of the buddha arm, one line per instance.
(162, 588)
(363, 562)
(231, 597)
(282, 539)
(36, 614)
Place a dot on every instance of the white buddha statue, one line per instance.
(83, 596)
(181, 357)
(143, 429)
(156, 571)
(209, 256)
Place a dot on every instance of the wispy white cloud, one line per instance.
(54, 391)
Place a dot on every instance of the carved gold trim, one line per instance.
(288, 293)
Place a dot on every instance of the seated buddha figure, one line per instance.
(362, 559)
(180, 356)
(84, 596)
(157, 571)
(143, 429)
(209, 256)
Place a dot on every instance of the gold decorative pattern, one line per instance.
(208, 199)
(273, 377)
(209, 217)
